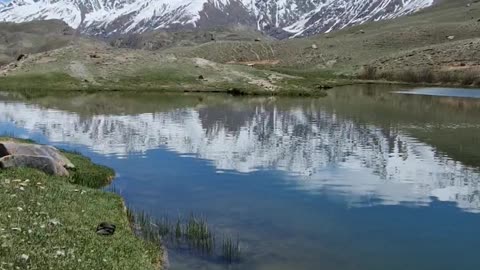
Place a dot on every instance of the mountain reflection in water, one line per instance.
(404, 149)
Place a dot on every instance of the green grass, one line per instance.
(169, 80)
(192, 233)
(47, 222)
(231, 250)
(8, 137)
(466, 78)
(88, 173)
(39, 82)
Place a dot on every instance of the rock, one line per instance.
(14, 148)
(450, 37)
(323, 87)
(21, 57)
(314, 46)
(258, 40)
(42, 163)
(201, 77)
(106, 229)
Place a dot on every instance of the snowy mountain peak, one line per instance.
(296, 17)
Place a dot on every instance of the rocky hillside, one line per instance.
(279, 18)
(32, 37)
(412, 41)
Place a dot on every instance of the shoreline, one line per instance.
(49, 221)
(292, 87)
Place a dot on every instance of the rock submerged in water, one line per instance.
(42, 157)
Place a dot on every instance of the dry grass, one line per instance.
(423, 76)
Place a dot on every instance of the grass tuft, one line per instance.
(192, 233)
(231, 250)
(426, 75)
(87, 173)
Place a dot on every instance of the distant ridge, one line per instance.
(281, 18)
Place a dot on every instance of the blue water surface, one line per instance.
(363, 179)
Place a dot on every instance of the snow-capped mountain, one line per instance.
(296, 17)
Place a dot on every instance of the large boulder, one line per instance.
(42, 157)
(42, 163)
(14, 148)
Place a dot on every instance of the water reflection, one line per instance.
(395, 149)
(447, 92)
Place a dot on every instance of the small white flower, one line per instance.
(24, 257)
(22, 189)
(54, 222)
(60, 253)
(19, 209)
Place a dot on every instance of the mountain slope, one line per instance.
(277, 17)
(32, 37)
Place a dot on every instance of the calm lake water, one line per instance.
(363, 179)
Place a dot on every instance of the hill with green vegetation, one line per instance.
(353, 47)
(439, 45)
(32, 37)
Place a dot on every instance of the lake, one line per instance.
(363, 179)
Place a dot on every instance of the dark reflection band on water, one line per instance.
(309, 141)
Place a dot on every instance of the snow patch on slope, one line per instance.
(335, 14)
(298, 17)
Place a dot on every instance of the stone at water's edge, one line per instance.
(15, 148)
(42, 157)
(42, 163)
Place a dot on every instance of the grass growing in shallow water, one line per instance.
(192, 233)
(231, 250)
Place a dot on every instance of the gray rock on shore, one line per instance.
(42, 157)
(42, 163)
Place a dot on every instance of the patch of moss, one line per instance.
(87, 173)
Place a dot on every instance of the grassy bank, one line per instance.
(49, 222)
(34, 85)
(425, 76)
